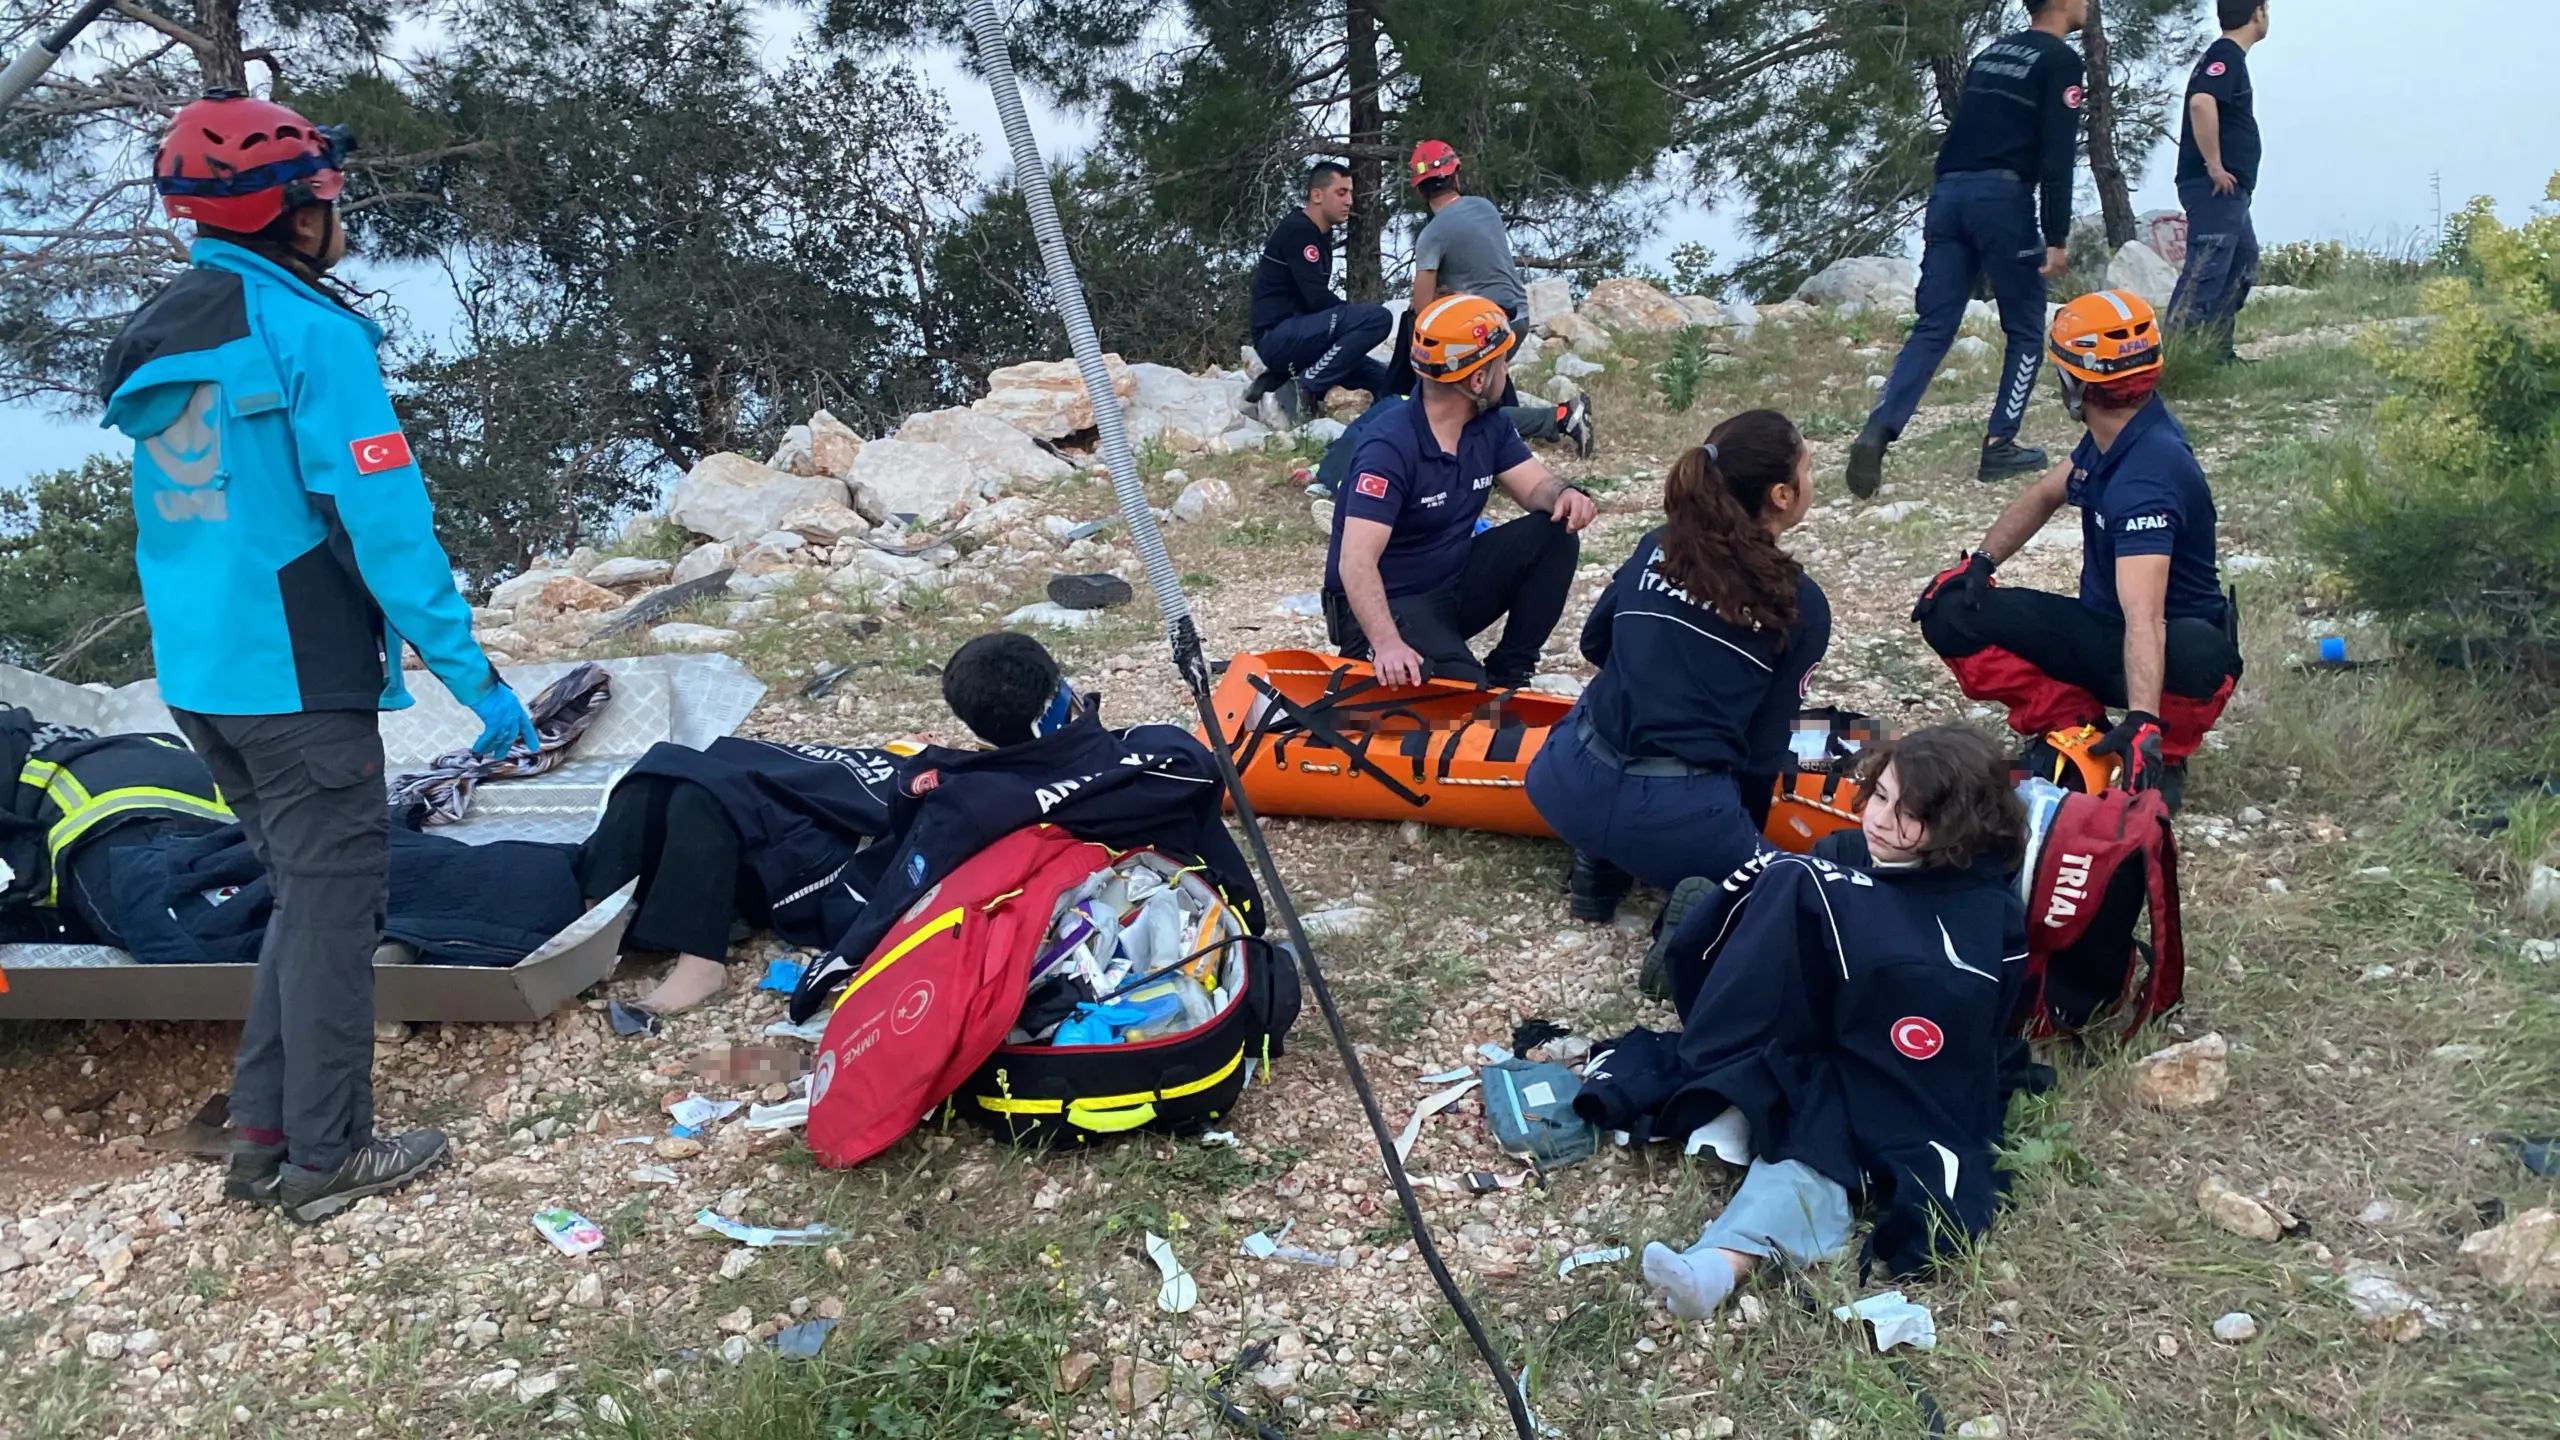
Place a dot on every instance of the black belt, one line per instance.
(2012, 176)
(1652, 767)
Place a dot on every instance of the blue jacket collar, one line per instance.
(2153, 414)
(212, 254)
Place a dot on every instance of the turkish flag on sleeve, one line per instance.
(382, 452)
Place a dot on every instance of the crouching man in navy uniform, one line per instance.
(2150, 633)
(1408, 581)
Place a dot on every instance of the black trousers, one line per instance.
(1523, 570)
(2057, 663)
(308, 790)
(672, 836)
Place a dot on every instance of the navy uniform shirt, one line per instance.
(1295, 274)
(2020, 112)
(1428, 498)
(2146, 496)
(1678, 681)
(2223, 73)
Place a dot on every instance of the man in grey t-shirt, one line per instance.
(1463, 250)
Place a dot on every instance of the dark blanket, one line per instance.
(1149, 786)
(204, 899)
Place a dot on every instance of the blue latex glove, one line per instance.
(504, 725)
(1097, 1024)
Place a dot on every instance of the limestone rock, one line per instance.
(699, 561)
(1046, 398)
(826, 524)
(1549, 298)
(1201, 498)
(1784, 312)
(1574, 367)
(915, 477)
(1741, 316)
(588, 1292)
(736, 1263)
(2188, 1076)
(1200, 406)
(1346, 404)
(832, 445)
(1625, 303)
(2542, 893)
(2138, 268)
(582, 560)
(1868, 282)
(1972, 347)
(988, 443)
(1136, 1384)
(2237, 1328)
(562, 594)
(511, 594)
(1578, 332)
(772, 553)
(792, 456)
(727, 496)
(2522, 1254)
(1699, 310)
(681, 635)
(1525, 354)
(738, 1321)
(2246, 1216)
(627, 570)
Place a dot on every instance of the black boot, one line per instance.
(1866, 460)
(251, 1175)
(2004, 458)
(1596, 887)
(311, 1196)
(1655, 978)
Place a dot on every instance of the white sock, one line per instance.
(1693, 1285)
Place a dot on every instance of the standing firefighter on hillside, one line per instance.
(2016, 131)
(286, 553)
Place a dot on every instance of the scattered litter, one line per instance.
(782, 976)
(630, 1020)
(683, 1132)
(1091, 528)
(823, 680)
(569, 1232)
(1485, 1182)
(1571, 1263)
(1097, 591)
(1053, 615)
(1262, 1247)
(1447, 1077)
(654, 1175)
(787, 1115)
(1492, 1054)
(1431, 1105)
(1309, 606)
(694, 1111)
(1521, 1381)
(801, 1341)
(1219, 1138)
(1179, 1292)
(760, 1235)
(637, 1140)
(812, 1031)
(1896, 1321)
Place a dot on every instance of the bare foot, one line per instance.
(692, 981)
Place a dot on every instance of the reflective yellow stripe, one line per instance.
(947, 920)
(1006, 1105)
(83, 812)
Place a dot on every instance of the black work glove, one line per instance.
(2136, 739)
(1965, 583)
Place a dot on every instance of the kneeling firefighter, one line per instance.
(286, 553)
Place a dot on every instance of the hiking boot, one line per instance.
(1655, 978)
(1575, 425)
(251, 1175)
(377, 1166)
(1595, 888)
(1263, 384)
(1866, 460)
(2004, 458)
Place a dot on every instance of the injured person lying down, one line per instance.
(826, 844)
(1847, 1026)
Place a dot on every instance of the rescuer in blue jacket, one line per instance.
(286, 553)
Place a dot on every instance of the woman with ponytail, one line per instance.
(1706, 640)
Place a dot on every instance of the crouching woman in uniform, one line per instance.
(1706, 639)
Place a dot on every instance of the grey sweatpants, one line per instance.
(309, 793)
(1787, 1211)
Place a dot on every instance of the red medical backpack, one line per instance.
(2103, 861)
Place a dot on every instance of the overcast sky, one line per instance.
(2364, 103)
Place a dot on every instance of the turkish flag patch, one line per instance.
(1918, 1037)
(1373, 486)
(383, 452)
(1314, 256)
(2216, 68)
(2071, 97)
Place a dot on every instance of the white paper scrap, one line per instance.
(1896, 1320)
(1572, 1263)
(1728, 1135)
(695, 1111)
(1179, 1292)
(1431, 1105)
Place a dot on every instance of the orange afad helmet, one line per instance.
(1458, 335)
(2111, 335)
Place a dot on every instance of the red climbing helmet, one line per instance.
(1431, 159)
(236, 163)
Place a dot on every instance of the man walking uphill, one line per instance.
(2016, 131)
(1301, 329)
(2217, 175)
(287, 554)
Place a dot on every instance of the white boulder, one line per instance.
(1741, 315)
(2139, 268)
(1549, 298)
(916, 477)
(1574, 367)
(1625, 303)
(792, 456)
(699, 561)
(1699, 310)
(986, 442)
(512, 594)
(1201, 498)
(1579, 332)
(1864, 282)
(1046, 398)
(826, 524)
(627, 570)
(1201, 406)
(832, 445)
(729, 497)
(682, 635)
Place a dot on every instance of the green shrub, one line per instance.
(69, 597)
(1680, 375)
(2453, 532)
(2303, 264)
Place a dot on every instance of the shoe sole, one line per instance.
(313, 1211)
(2008, 472)
(1654, 979)
(1866, 466)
